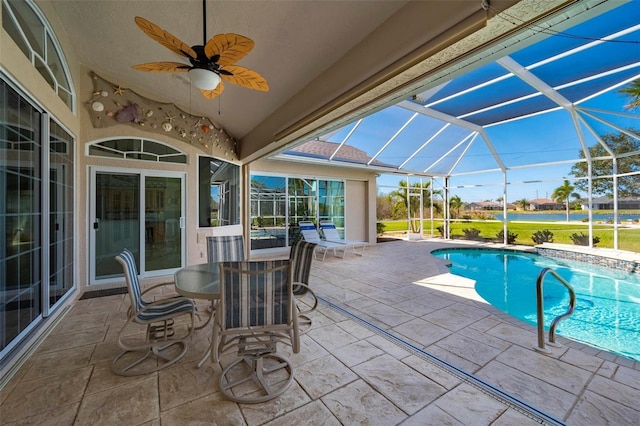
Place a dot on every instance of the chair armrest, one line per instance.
(313, 294)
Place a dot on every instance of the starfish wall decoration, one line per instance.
(112, 104)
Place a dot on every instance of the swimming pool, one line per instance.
(607, 313)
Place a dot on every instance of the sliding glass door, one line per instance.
(142, 212)
(36, 216)
(279, 203)
(163, 219)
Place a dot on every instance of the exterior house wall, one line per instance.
(21, 73)
(360, 191)
(360, 220)
(544, 204)
(194, 243)
(598, 204)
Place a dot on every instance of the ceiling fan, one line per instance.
(209, 63)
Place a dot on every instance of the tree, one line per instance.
(562, 194)
(455, 203)
(384, 206)
(522, 203)
(633, 90)
(619, 143)
(409, 198)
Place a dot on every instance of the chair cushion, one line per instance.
(252, 300)
(170, 308)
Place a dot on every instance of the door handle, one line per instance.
(96, 224)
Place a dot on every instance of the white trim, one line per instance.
(92, 171)
(97, 142)
(49, 34)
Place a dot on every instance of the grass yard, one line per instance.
(628, 238)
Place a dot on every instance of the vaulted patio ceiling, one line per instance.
(537, 99)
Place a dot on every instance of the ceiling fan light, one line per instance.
(204, 79)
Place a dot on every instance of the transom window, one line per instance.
(137, 149)
(29, 29)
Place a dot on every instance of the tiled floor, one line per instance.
(367, 360)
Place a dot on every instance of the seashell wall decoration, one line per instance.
(113, 105)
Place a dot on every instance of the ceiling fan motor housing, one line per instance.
(201, 60)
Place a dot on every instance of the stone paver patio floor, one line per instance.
(389, 324)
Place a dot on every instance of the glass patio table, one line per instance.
(200, 281)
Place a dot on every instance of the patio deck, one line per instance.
(369, 359)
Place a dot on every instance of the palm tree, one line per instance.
(562, 194)
(410, 199)
(522, 203)
(633, 90)
(456, 203)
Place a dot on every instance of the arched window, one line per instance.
(29, 29)
(137, 149)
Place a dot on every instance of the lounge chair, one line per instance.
(311, 235)
(331, 234)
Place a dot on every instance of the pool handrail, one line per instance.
(540, 308)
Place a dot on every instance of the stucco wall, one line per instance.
(360, 185)
(360, 190)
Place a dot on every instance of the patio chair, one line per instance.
(225, 248)
(331, 234)
(310, 234)
(159, 318)
(301, 257)
(255, 313)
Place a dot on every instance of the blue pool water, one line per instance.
(607, 313)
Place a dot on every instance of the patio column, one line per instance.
(590, 196)
(408, 196)
(431, 204)
(421, 209)
(615, 203)
(504, 207)
(447, 217)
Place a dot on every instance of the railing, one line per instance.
(540, 305)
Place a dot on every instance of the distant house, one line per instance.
(606, 203)
(544, 204)
(483, 205)
(487, 205)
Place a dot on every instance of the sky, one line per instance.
(544, 136)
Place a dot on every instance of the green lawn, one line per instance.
(628, 238)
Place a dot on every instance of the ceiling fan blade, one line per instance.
(162, 67)
(210, 94)
(164, 38)
(229, 47)
(244, 77)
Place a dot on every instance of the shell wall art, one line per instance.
(112, 105)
